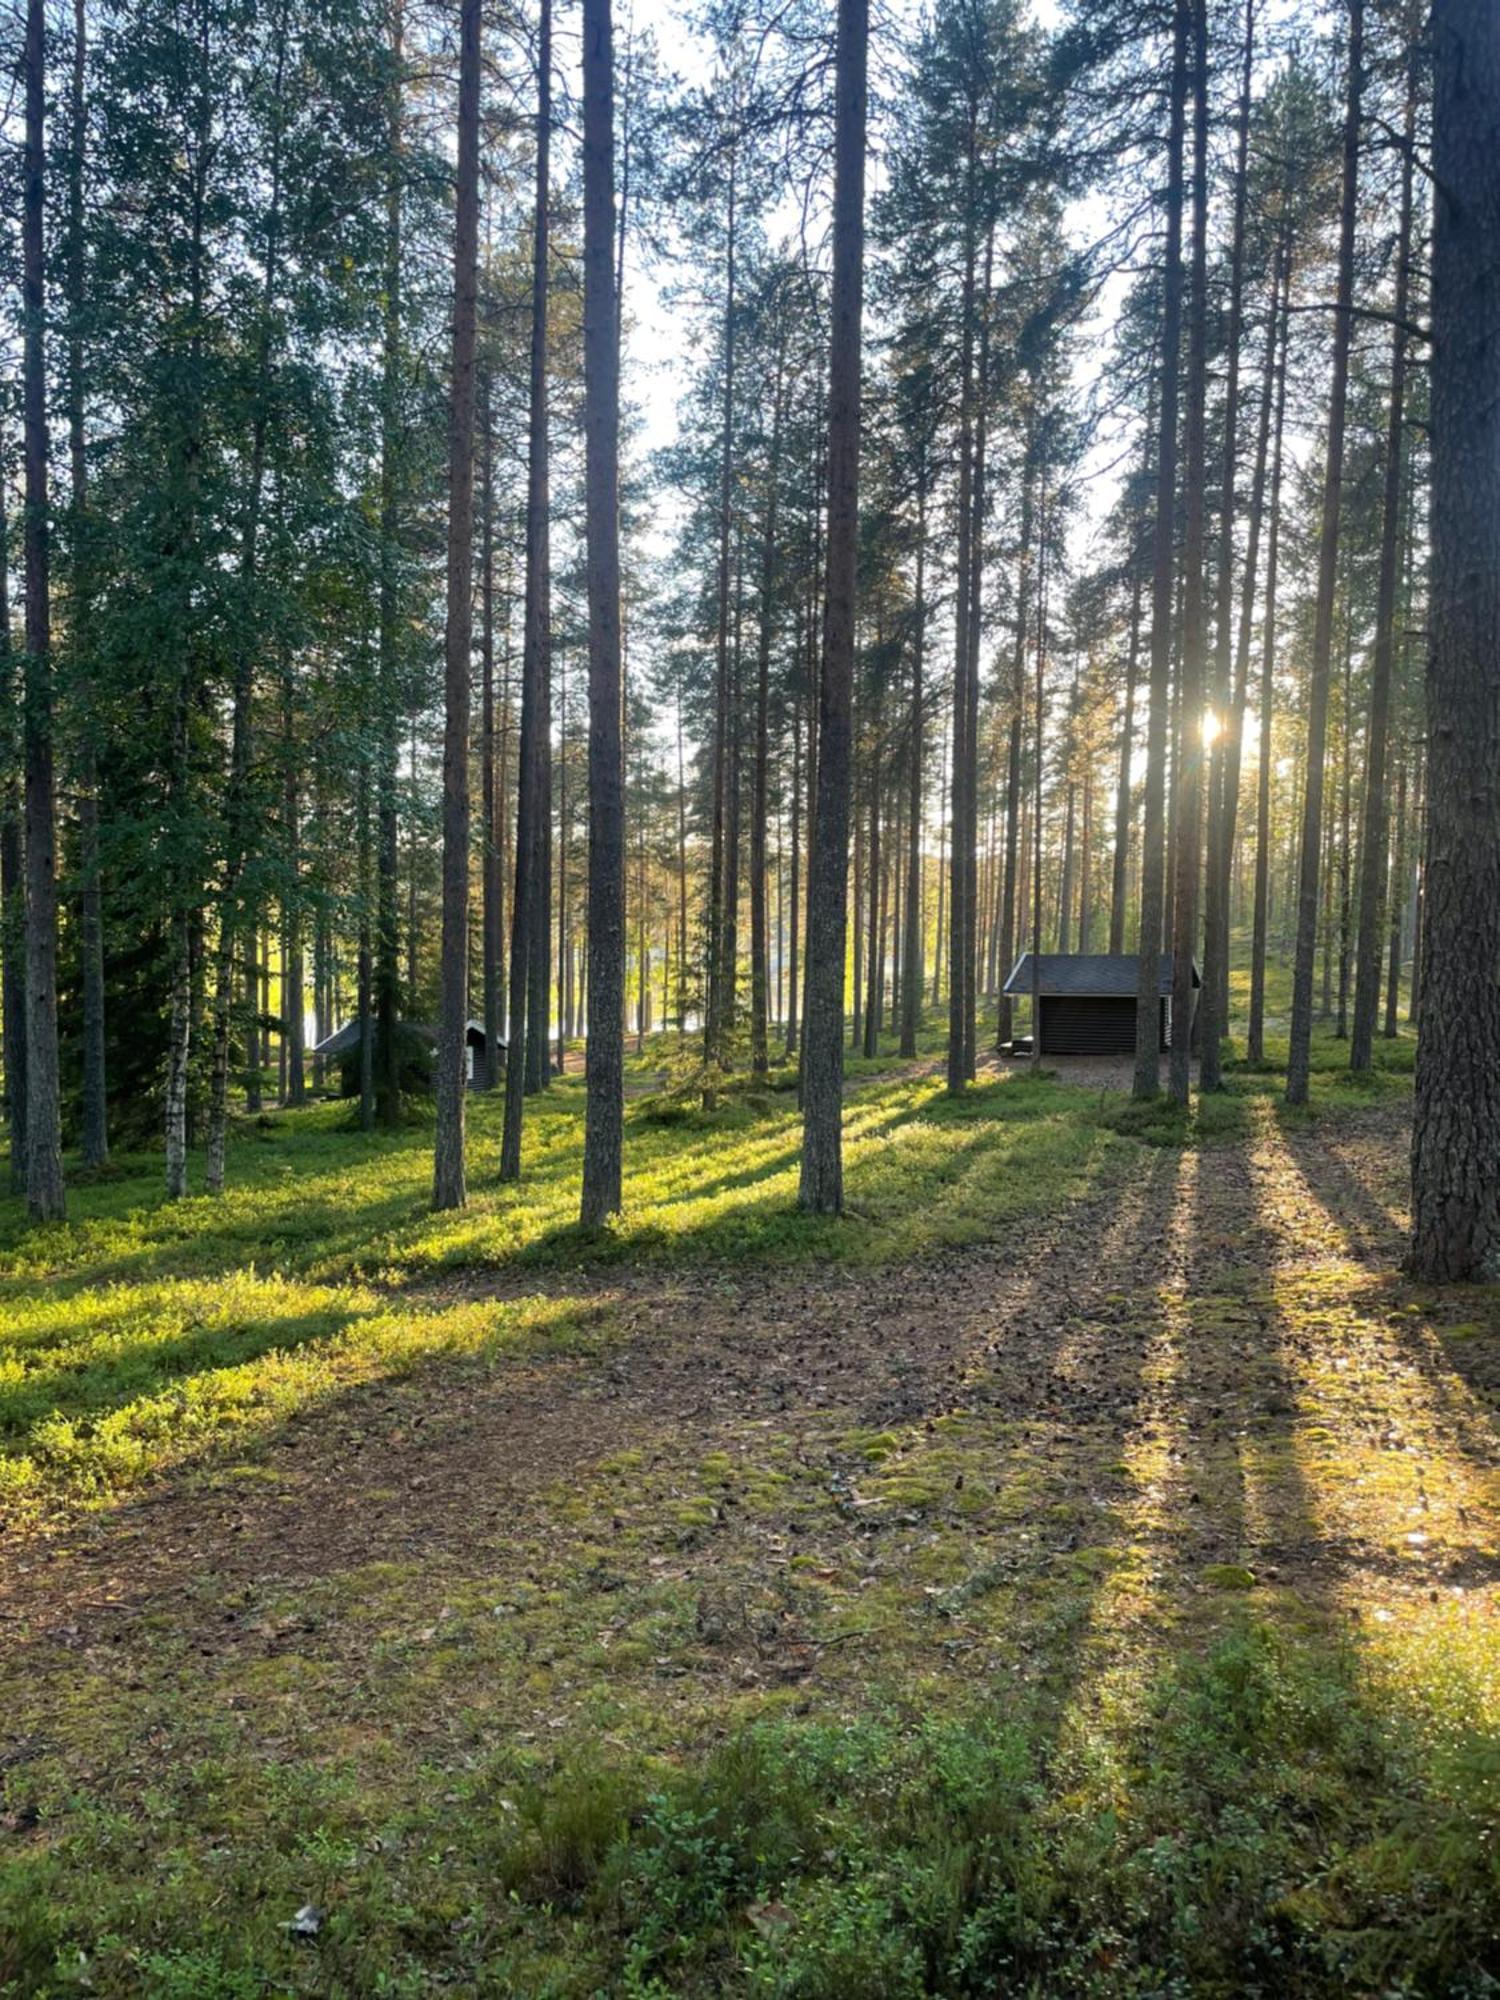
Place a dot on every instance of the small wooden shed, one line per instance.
(344, 1041)
(1086, 1000)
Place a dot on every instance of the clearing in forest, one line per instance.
(1074, 1572)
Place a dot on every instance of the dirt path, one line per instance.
(1200, 1302)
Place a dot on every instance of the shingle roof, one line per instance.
(342, 1040)
(1087, 975)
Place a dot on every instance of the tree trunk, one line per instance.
(45, 1200)
(1300, 1053)
(94, 1135)
(718, 920)
(871, 1038)
(759, 964)
(237, 828)
(1163, 570)
(960, 832)
(12, 874)
(1224, 762)
(1397, 911)
(387, 967)
(492, 753)
(911, 956)
(1255, 1043)
(1374, 858)
(529, 779)
(604, 1111)
(1233, 756)
(291, 903)
(1187, 786)
(1010, 887)
(1455, 1182)
(448, 1190)
(1120, 859)
(822, 1175)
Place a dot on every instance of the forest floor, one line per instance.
(1078, 1571)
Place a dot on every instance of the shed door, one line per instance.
(1080, 1027)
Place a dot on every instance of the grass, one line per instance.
(1145, 1647)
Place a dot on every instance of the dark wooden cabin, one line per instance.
(1086, 1000)
(344, 1041)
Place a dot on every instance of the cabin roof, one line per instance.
(1088, 975)
(342, 1040)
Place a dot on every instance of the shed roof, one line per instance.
(1087, 975)
(342, 1040)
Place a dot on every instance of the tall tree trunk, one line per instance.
(1374, 857)
(529, 780)
(1345, 841)
(94, 1135)
(759, 945)
(1255, 1043)
(1187, 787)
(448, 1190)
(1224, 761)
(604, 1111)
(12, 871)
(1038, 775)
(871, 1039)
(1455, 1181)
(971, 678)
(682, 890)
(960, 840)
(822, 1176)
(1396, 911)
(793, 989)
(1233, 755)
(1010, 887)
(911, 955)
(1163, 572)
(492, 753)
(237, 811)
(1085, 860)
(1120, 859)
(718, 917)
(292, 982)
(387, 967)
(1299, 1058)
(45, 1200)
(364, 969)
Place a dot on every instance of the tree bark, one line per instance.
(237, 842)
(759, 963)
(1255, 1043)
(1187, 775)
(822, 1175)
(387, 951)
(448, 1188)
(718, 919)
(45, 1199)
(94, 1136)
(1374, 857)
(1224, 761)
(492, 873)
(1163, 571)
(530, 850)
(604, 1109)
(1299, 1057)
(911, 956)
(961, 777)
(1455, 1170)
(1010, 885)
(12, 873)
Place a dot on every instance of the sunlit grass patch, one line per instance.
(102, 1389)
